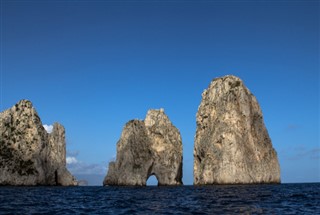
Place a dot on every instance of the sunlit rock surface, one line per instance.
(232, 145)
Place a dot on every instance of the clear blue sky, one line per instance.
(94, 65)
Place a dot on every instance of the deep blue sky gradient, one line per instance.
(94, 65)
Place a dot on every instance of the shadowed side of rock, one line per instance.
(232, 145)
(57, 157)
(145, 148)
(134, 157)
(28, 154)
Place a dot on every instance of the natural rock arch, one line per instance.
(149, 147)
(152, 179)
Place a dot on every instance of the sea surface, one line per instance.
(227, 199)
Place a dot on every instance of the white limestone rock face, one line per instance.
(232, 145)
(28, 154)
(145, 148)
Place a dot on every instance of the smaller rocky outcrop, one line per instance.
(145, 148)
(28, 154)
(232, 144)
(57, 157)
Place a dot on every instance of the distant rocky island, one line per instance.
(28, 154)
(232, 145)
(147, 147)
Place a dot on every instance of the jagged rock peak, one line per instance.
(28, 154)
(232, 145)
(147, 147)
(156, 116)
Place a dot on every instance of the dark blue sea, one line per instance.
(233, 199)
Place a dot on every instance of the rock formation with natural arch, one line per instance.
(232, 144)
(149, 147)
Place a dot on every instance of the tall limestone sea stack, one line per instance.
(28, 154)
(145, 148)
(232, 145)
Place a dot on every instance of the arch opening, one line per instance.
(152, 180)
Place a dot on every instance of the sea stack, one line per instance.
(28, 154)
(232, 144)
(147, 147)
